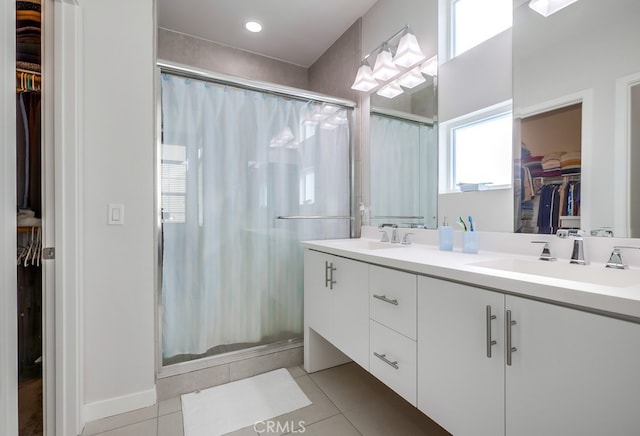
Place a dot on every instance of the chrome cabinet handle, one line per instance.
(490, 342)
(383, 357)
(385, 299)
(510, 348)
(328, 274)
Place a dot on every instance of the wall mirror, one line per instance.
(577, 65)
(403, 141)
(400, 134)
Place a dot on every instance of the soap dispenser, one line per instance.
(445, 236)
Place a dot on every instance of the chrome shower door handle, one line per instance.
(490, 341)
(510, 348)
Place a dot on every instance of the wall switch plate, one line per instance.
(116, 214)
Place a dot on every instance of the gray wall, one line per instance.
(200, 53)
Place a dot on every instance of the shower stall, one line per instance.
(246, 171)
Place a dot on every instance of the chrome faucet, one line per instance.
(395, 239)
(603, 231)
(546, 251)
(577, 255)
(615, 260)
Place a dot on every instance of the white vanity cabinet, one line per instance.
(392, 308)
(336, 292)
(573, 373)
(460, 369)
(569, 372)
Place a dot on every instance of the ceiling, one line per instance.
(294, 31)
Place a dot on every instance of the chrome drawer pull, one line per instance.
(490, 342)
(385, 299)
(510, 348)
(383, 357)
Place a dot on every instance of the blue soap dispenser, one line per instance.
(445, 236)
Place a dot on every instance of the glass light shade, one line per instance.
(384, 68)
(548, 7)
(391, 90)
(430, 66)
(364, 79)
(408, 53)
(411, 79)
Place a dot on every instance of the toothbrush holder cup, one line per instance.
(470, 242)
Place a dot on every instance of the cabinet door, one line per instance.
(459, 386)
(574, 373)
(318, 298)
(351, 309)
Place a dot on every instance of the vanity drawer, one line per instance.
(392, 299)
(393, 360)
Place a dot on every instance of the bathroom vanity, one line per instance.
(495, 343)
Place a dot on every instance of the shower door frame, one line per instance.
(186, 71)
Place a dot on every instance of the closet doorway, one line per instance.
(550, 176)
(34, 220)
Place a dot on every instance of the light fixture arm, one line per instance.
(402, 31)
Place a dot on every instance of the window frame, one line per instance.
(447, 169)
(451, 31)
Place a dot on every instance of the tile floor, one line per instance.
(346, 401)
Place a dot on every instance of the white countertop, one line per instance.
(622, 299)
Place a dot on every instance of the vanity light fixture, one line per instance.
(392, 72)
(430, 66)
(384, 68)
(408, 53)
(548, 7)
(391, 90)
(411, 79)
(364, 78)
(253, 26)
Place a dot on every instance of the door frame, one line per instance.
(8, 275)
(62, 124)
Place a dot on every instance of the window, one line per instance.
(475, 21)
(173, 183)
(479, 147)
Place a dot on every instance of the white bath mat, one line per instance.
(243, 403)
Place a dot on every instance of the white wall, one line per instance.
(118, 167)
(476, 79)
(587, 45)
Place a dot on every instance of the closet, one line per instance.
(29, 216)
(550, 171)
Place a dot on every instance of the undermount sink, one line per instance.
(367, 244)
(593, 274)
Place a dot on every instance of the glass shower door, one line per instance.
(245, 176)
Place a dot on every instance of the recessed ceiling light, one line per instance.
(253, 26)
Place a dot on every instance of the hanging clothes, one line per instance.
(28, 153)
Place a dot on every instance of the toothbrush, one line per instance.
(471, 228)
(462, 224)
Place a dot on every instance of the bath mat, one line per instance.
(243, 403)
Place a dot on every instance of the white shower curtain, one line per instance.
(233, 161)
(401, 174)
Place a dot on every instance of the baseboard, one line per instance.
(115, 406)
